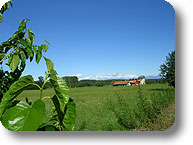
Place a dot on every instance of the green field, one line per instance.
(92, 103)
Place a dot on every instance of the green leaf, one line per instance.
(49, 64)
(10, 59)
(31, 35)
(22, 25)
(7, 5)
(30, 53)
(38, 56)
(8, 48)
(2, 55)
(25, 43)
(10, 2)
(4, 8)
(14, 62)
(58, 110)
(47, 42)
(23, 59)
(24, 117)
(43, 47)
(50, 128)
(15, 35)
(6, 43)
(70, 115)
(1, 17)
(28, 41)
(22, 56)
(61, 89)
(34, 48)
(15, 89)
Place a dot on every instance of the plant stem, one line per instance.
(36, 85)
(41, 89)
(7, 55)
(41, 92)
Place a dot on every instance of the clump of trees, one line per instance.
(168, 69)
(72, 81)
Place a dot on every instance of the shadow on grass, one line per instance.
(161, 89)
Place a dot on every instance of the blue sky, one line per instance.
(97, 39)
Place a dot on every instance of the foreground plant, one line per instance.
(18, 115)
(22, 116)
(17, 50)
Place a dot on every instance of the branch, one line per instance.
(7, 55)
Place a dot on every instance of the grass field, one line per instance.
(93, 113)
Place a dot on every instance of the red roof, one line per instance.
(126, 82)
(121, 82)
(134, 82)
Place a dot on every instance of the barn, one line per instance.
(129, 83)
(122, 83)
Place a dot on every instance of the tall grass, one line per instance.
(115, 108)
(147, 113)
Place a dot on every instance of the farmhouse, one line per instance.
(129, 83)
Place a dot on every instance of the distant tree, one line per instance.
(48, 85)
(168, 69)
(72, 81)
(100, 83)
(86, 83)
(40, 80)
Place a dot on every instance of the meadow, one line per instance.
(111, 108)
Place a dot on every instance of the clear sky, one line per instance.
(97, 39)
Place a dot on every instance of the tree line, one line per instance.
(73, 82)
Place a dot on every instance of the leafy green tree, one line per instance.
(72, 81)
(168, 69)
